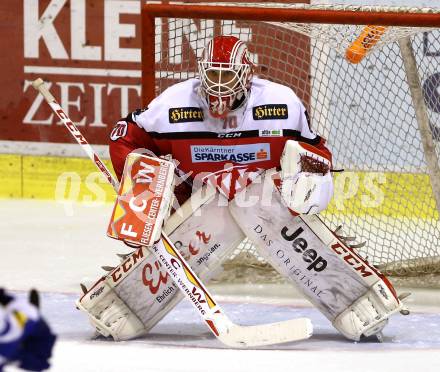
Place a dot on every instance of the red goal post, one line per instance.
(379, 120)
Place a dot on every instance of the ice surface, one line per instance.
(52, 248)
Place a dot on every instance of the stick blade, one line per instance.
(267, 334)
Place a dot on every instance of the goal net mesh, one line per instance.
(384, 195)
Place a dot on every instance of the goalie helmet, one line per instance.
(225, 72)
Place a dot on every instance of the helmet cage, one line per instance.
(238, 83)
(230, 58)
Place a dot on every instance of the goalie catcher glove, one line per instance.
(306, 182)
(25, 337)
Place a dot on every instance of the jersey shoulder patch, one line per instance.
(185, 114)
(177, 104)
(119, 130)
(263, 91)
(270, 111)
(273, 101)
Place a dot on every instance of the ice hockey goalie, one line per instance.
(239, 133)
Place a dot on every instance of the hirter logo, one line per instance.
(185, 114)
(270, 112)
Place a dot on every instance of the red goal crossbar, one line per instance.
(258, 13)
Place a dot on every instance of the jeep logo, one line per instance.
(300, 245)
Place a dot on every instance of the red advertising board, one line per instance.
(89, 53)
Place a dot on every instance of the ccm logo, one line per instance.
(127, 265)
(229, 135)
(309, 255)
(352, 260)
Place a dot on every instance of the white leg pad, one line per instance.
(138, 293)
(109, 314)
(352, 294)
(369, 314)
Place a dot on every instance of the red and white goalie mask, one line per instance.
(225, 73)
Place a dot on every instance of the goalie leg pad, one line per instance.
(369, 314)
(139, 293)
(354, 296)
(109, 314)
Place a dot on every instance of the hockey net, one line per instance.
(380, 115)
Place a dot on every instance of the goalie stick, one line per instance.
(184, 277)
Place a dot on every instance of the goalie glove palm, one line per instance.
(306, 182)
(307, 193)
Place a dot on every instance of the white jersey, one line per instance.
(270, 106)
(178, 122)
